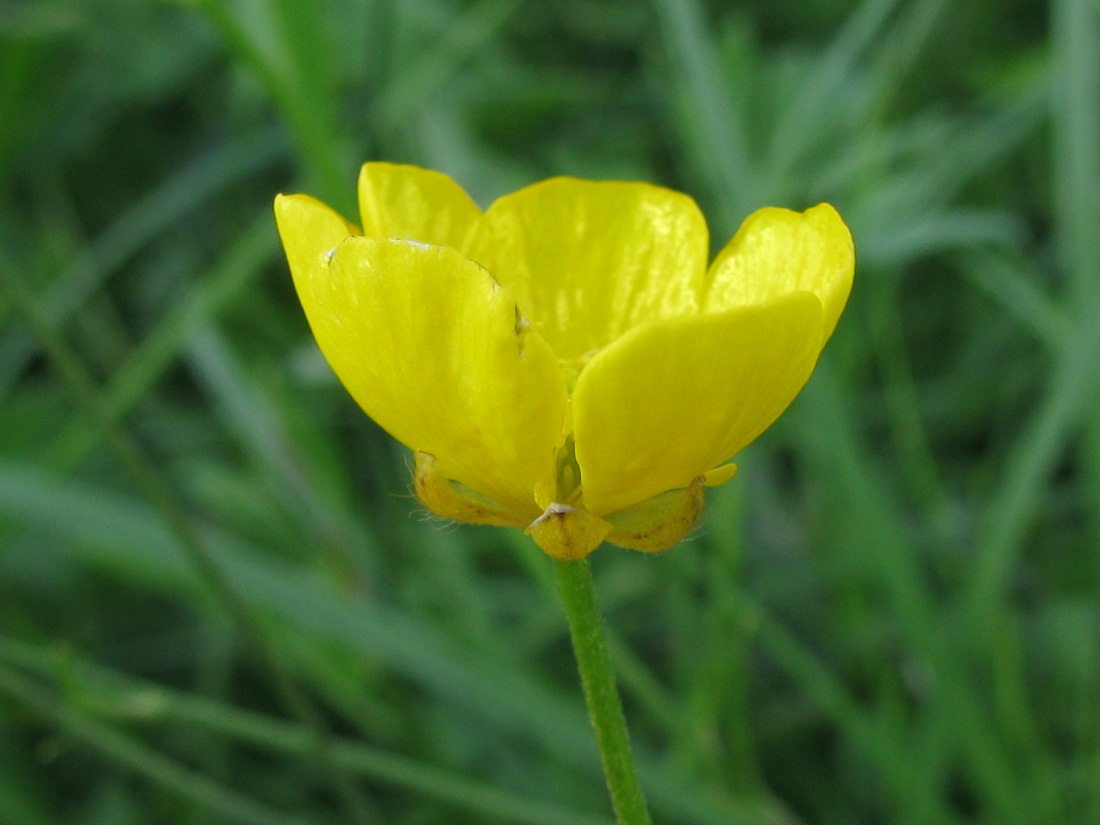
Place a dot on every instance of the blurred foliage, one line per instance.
(218, 602)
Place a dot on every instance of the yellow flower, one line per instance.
(565, 361)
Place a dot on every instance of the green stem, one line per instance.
(578, 595)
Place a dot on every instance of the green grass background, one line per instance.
(219, 603)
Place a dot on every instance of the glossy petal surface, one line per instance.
(777, 252)
(397, 201)
(309, 230)
(670, 401)
(431, 348)
(589, 260)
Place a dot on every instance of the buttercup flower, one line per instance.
(565, 361)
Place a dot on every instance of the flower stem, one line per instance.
(598, 678)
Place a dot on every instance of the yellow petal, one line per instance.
(588, 260)
(397, 201)
(434, 350)
(776, 252)
(309, 230)
(671, 401)
(719, 475)
(660, 523)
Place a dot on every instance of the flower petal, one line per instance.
(588, 260)
(397, 201)
(776, 252)
(309, 230)
(671, 401)
(434, 350)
